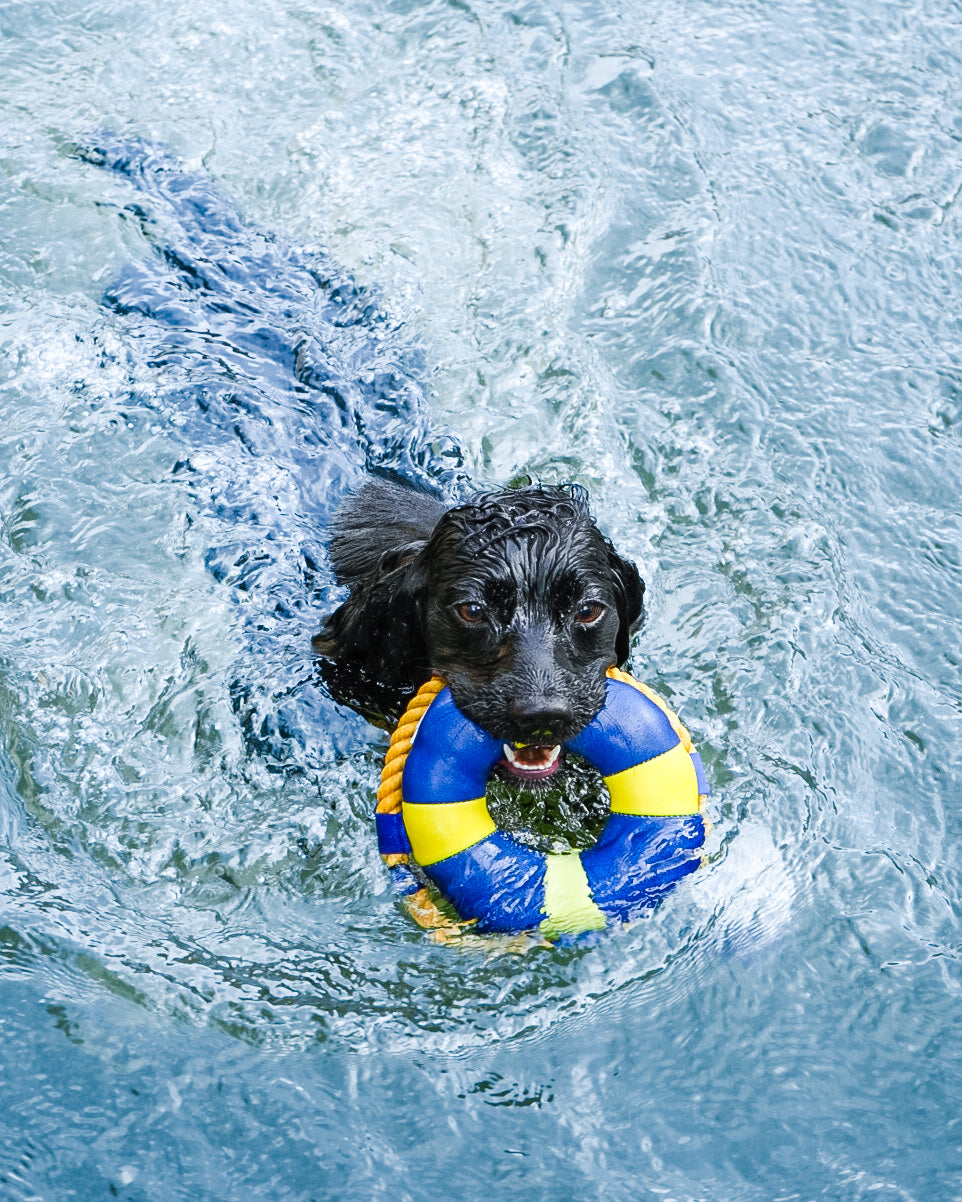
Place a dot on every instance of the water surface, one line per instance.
(704, 260)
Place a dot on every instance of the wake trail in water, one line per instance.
(286, 380)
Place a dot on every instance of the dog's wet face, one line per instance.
(526, 608)
(516, 599)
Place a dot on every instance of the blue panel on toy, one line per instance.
(497, 881)
(628, 730)
(700, 776)
(404, 880)
(637, 860)
(392, 838)
(451, 758)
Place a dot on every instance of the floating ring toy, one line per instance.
(432, 809)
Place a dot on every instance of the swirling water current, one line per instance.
(704, 259)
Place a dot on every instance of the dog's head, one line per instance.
(515, 598)
(525, 606)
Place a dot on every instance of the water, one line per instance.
(703, 259)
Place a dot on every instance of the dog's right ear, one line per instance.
(379, 527)
(374, 642)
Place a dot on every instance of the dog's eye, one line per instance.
(589, 613)
(470, 611)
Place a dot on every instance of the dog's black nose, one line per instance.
(543, 717)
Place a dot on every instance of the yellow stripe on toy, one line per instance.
(568, 902)
(442, 829)
(659, 788)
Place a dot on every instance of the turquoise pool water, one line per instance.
(704, 259)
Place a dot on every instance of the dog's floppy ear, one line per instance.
(630, 595)
(374, 644)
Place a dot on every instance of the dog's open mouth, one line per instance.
(532, 761)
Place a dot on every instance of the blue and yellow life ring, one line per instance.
(432, 809)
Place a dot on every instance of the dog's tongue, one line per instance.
(534, 761)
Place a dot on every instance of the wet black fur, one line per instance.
(515, 598)
(273, 351)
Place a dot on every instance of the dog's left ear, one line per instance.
(630, 595)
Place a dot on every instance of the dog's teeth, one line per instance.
(547, 757)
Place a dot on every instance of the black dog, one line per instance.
(515, 598)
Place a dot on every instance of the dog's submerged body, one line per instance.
(269, 358)
(514, 598)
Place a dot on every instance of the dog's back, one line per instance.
(381, 519)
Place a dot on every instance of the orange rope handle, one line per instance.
(389, 790)
(420, 905)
